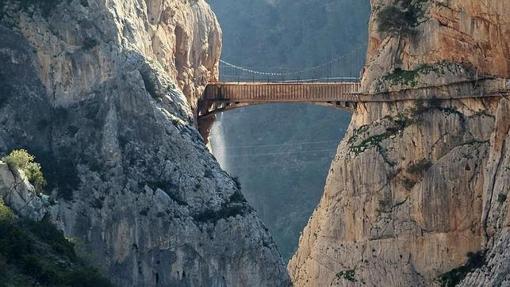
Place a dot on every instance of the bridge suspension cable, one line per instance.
(343, 68)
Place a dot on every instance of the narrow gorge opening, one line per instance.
(281, 153)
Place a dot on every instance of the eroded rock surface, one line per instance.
(419, 188)
(94, 89)
(403, 199)
(454, 40)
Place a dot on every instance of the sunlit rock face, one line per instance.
(101, 92)
(403, 199)
(462, 39)
(495, 215)
(82, 45)
(417, 186)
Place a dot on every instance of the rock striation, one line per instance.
(102, 93)
(417, 193)
(453, 40)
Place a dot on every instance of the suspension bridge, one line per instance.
(335, 83)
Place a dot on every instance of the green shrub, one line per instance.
(408, 183)
(402, 77)
(397, 125)
(46, 231)
(6, 214)
(385, 205)
(400, 18)
(38, 254)
(46, 7)
(22, 160)
(349, 275)
(226, 211)
(237, 197)
(410, 78)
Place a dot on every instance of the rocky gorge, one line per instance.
(433, 209)
(103, 93)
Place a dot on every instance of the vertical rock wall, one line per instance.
(418, 189)
(403, 198)
(102, 93)
(465, 39)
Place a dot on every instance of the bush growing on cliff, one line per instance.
(6, 214)
(401, 18)
(22, 160)
(37, 254)
(44, 6)
(349, 275)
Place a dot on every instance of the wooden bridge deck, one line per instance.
(228, 95)
(282, 92)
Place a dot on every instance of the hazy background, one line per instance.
(282, 153)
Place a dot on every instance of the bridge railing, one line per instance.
(349, 91)
(222, 96)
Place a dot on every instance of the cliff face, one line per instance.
(181, 38)
(495, 216)
(93, 89)
(403, 199)
(419, 188)
(465, 39)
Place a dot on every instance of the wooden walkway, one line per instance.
(224, 96)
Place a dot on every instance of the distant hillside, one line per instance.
(290, 33)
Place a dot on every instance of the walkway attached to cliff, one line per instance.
(223, 96)
(320, 85)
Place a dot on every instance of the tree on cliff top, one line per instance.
(401, 18)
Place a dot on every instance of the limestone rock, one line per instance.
(81, 45)
(94, 89)
(454, 40)
(495, 216)
(416, 186)
(403, 198)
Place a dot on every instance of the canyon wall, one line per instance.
(465, 39)
(102, 93)
(417, 193)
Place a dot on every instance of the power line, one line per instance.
(282, 144)
(229, 156)
(276, 163)
(293, 72)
